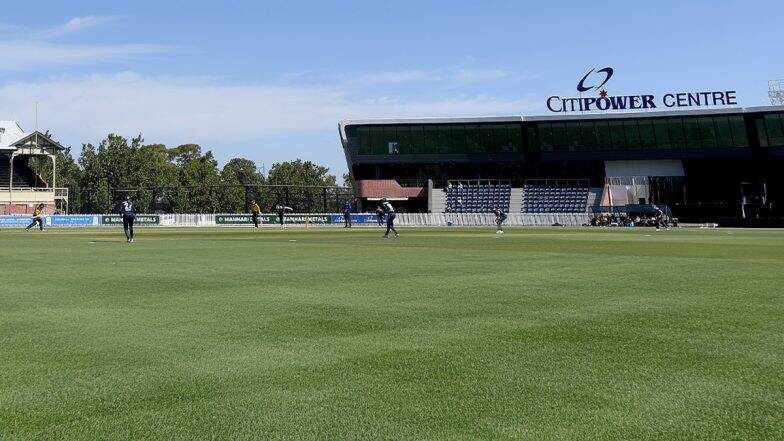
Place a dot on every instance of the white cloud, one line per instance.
(73, 25)
(179, 110)
(36, 50)
(32, 55)
(449, 75)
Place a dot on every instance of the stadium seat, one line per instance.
(552, 197)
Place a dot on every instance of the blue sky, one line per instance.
(269, 80)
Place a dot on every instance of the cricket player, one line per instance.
(390, 212)
(281, 210)
(128, 216)
(255, 211)
(38, 217)
(500, 218)
(347, 214)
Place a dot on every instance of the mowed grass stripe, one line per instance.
(442, 334)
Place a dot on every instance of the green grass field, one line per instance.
(441, 334)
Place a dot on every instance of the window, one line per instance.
(560, 144)
(693, 133)
(431, 141)
(377, 144)
(546, 137)
(707, 132)
(515, 134)
(632, 134)
(573, 136)
(647, 135)
(617, 135)
(403, 133)
(738, 128)
(418, 140)
(363, 133)
(530, 136)
(603, 140)
(486, 139)
(588, 135)
(661, 131)
(458, 143)
(775, 128)
(677, 133)
(472, 139)
(723, 132)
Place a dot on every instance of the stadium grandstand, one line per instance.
(713, 165)
(21, 188)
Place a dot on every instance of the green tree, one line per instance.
(200, 174)
(232, 193)
(298, 174)
(246, 171)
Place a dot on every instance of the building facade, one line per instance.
(707, 165)
(21, 188)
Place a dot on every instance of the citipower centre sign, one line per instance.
(595, 80)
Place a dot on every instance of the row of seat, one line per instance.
(554, 199)
(474, 198)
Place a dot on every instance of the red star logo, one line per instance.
(603, 93)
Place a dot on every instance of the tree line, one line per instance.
(184, 179)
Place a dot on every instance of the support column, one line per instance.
(11, 185)
(54, 172)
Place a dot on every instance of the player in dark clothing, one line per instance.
(347, 214)
(380, 216)
(128, 216)
(255, 210)
(281, 210)
(660, 219)
(500, 217)
(390, 212)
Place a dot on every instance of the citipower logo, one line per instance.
(608, 73)
(595, 79)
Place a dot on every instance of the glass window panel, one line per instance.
(588, 135)
(647, 135)
(707, 132)
(500, 138)
(618, 135)
(603, 140)
(515, 134)
(546, 137)
(677, 133)
(377, 146)
(430, 139)
(530, 135)
(363, 132)
(775, 129)
(693, 133)
(472, 139)
(560, 143)
(486, 142)
(763, 133)
(661, 133)
(458, 138)
(632, 134)
(418, 140)
(403, 139)
(723, 132)
(738, 128)
(573, 136)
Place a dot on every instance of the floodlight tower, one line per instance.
(776, 92)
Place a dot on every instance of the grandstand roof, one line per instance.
(13, 137)
(10, 133)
